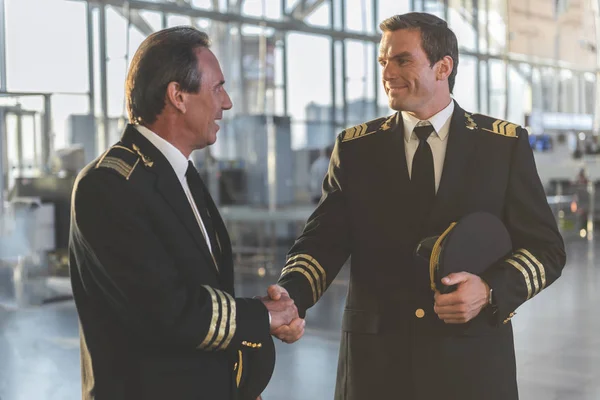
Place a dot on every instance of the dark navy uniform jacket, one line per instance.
(158, 320)
(393, 344)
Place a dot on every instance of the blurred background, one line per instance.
(299, 72)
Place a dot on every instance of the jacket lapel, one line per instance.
(391, 156)
(168, 186)
(397, 194)
(223, 247)
(459, 151)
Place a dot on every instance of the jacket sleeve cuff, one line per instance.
(252, 323)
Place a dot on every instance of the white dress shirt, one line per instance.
(438, 140)
(180, 165)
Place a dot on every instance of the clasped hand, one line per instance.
(286, 325)
(466, 302)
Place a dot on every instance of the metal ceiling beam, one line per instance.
(136, 19)
(235, 5)
(303, 9)
(298, 8)
(294, 25)
(285, 25)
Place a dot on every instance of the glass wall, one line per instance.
(312, 61)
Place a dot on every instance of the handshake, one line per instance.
(286, 325)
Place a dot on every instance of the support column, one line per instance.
(103, 79)
(91, 74)
(2, 47)
(3, 164)
(344, 67)
(47, 136)
(596, 11)
(3, 161)
(376, 82)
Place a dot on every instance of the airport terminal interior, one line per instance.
(298, 72)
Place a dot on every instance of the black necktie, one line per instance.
(199, 194)
(422, 175)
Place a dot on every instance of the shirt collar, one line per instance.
(171, 153)
(437, 121)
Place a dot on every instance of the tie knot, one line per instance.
(423, 132)
(191, 170)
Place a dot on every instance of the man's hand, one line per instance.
(282, 311)
(465, 303)
(293, 331)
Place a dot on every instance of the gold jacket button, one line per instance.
(420, 313)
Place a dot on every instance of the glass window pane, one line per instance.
(116, 68)
(357, 58)
(64, 105)
(29, 143)
(258, 68)
(497, 89)
(549, 101)
(519, 90)
(460, 20)
(135, 39)
(338, 11)
(309, 82)
(12, 144)
(262, 8)
(278, 102)
(207, 4)
(291, 4)
(389, 8)
(567, 89)
(465, 87)
(360, 92)
(153, 18)
(359, 15)
(279, 64)
(434, 7)
(481, 4)
(223, 6)
(497, 26)
(371, 66)
(483, 88)
(590, 92)
(321, 16)
(273, 10)
(339, 84)
(43, 54)
(176, 20)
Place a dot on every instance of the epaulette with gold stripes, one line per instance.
(490, 124)
(312, 271)
(368, 128)
(119, 159)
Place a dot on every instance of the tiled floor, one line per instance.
(557, 342)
